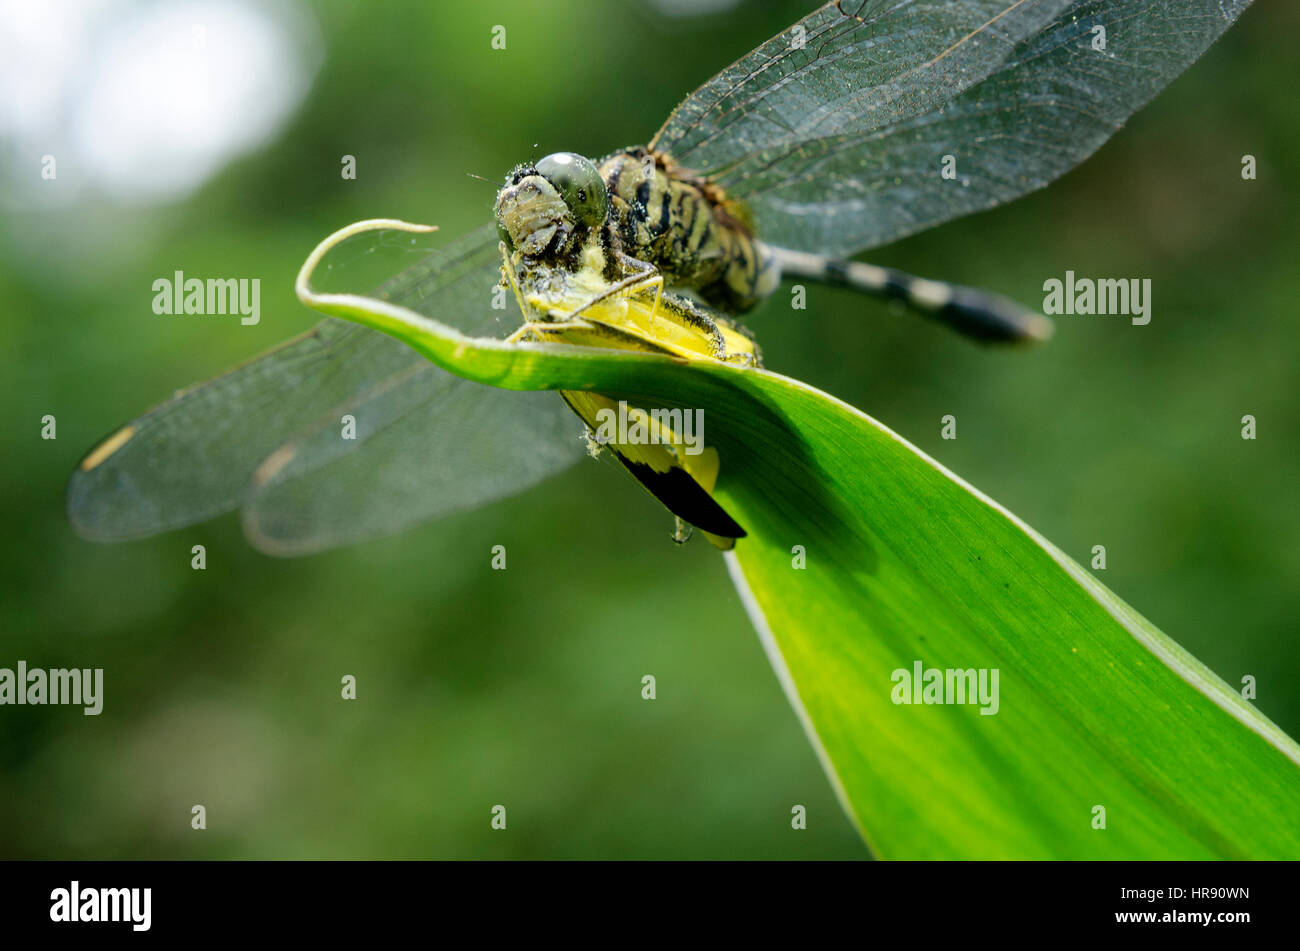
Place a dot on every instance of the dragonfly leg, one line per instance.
(653, 276)
(541, 328)
(659, 291)
(509, 273)
(700, 319)
(647, 276)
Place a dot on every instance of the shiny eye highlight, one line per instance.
(579, 184)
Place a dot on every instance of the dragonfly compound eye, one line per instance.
(578, 182)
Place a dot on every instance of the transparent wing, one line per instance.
(855, 65)
(429, 444)
(836, 143)
(426, 442)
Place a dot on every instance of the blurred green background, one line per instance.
(523, 687)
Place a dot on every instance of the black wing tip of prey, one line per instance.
(685, 498)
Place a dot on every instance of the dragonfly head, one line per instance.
(548, 207)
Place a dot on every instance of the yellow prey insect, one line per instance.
(580, 306)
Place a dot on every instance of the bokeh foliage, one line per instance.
(522, 687)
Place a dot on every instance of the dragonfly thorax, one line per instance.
(686, 229)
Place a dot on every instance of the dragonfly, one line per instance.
(576, 284)
(836, 136)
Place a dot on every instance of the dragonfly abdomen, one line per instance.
(978, 314)
(671, 222)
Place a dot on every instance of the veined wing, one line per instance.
(430, 444)
(836, 146)
(851, 65)
(426, 442)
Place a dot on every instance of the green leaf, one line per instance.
(905, 563)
